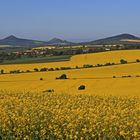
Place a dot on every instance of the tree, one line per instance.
(137, 60)
(63, 76)
(77, 67)
(122, 61)
(87, 66)
(51, 69)
(2, 71)
(28, 71)
(82, 87)
(43, 69)
(36, 69)
(41, 79)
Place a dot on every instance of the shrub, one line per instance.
(82, 87)
(49, 90)
(65, 68)
(114, 76)
(126, 76)
(18, 71)
(99, 65)
(28, 71)
(57, 69)
(2, 71)
(36, 69)
(41, 79)
(122, 61)
(63, 76)
(77, 67)
(43, 69)
(15, 71)
(87, 66)
(51, 69)
(137, 60)
(109, 64)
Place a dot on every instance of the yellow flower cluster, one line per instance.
(68, 116)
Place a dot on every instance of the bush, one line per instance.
(114, 76)
(41, 79)
(15, 71)
(65, 68)
(99, 65)
(51, 69)
(49, 90)
(36, 69)
(28, 71)
(63, 76)
(137, 60)
(126, 76)
(122, 61)
(2, 71)
(77, 67)
(57, 69)
(82, 87)
(43, 69)
(87, 66)
(109, 64)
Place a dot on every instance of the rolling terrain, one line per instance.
(80, 60)
(98, 80)
(108, 108)
(14, 41)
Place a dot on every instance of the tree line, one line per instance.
(122, 61)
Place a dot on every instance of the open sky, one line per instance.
(74, 20)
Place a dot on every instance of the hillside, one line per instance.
(15, 41)
(57, 41)
(118, 39)
(115, 39)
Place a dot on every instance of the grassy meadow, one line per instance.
(108, 108)
(37, 60)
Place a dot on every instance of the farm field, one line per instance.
(37, 60)
(80, 60)
(108, 108)
(97, 80)
(63, 116)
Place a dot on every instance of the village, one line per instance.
(66, 50)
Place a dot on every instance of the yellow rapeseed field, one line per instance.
(97, 80)
(108, 108)
(26, 115)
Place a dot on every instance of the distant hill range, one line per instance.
(119, 39)
(57, 41)
(14, 41)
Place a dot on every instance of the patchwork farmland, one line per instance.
(42, 106)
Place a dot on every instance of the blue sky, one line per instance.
(75, 20)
